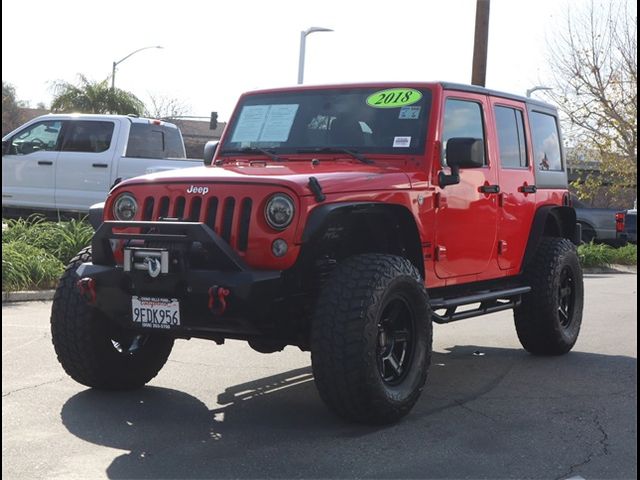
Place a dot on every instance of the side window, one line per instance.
(546, 142)
(42, 136)
(462, 118)
(511, 141)
(154, 141)
(87, 136)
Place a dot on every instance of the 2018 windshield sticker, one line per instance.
(393, 98)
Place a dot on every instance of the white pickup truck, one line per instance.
(69, 162)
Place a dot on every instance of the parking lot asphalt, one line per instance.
(489, 409)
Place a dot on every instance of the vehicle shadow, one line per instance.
(277, 427)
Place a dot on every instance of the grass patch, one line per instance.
(600, 255)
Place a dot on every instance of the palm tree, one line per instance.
(94, 97)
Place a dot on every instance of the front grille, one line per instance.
(227, 217)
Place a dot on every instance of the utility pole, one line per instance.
(480, 42)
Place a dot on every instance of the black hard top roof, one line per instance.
(494, 93)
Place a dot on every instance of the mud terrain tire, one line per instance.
(371, 339)
(548, 319)
(92, 350)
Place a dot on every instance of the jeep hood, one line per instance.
(333, 176)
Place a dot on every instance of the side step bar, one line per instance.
(490, 301)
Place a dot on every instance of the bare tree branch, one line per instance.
(593, 60)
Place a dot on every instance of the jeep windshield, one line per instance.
(349, 120)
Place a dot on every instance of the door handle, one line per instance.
(528, 188)
(490, 189)
(100, 165)
(45, 162)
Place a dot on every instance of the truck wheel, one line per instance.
(94, 351)
(588, 234)
(371, 338)
(549, 317)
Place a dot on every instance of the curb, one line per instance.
(612, 269)
(28, 296)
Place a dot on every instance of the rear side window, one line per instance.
(546, 142)
(511, 141)
(154, 141)
(461, 119)
(87, 136)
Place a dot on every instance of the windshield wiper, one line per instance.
(354, 153)
(269, 154)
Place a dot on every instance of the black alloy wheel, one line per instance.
(396, 337)
(566, 296)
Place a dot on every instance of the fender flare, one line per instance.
(96, 212)
(564, 224)
(323, 215)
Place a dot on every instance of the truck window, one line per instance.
(154, 141)
(511, 140)
(462, 118)
(41, 136)
(87, 136)
(546, 142)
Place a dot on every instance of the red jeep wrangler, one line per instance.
(343, 220)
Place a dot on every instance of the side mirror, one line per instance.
(210, 151)
(6, 145)
(462, 152)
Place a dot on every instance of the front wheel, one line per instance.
(94, 351)
(548, 319)
(371, 339)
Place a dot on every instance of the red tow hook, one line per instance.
(218, 295)
(87, 287)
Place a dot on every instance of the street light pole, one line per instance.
(115, 64)
(303, 41)
(536, 88)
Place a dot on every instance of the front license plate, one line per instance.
(155, 312)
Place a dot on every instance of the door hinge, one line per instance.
(441, 252)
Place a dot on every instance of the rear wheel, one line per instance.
(549, 318)
(94, 351)
(371, 339)
(588, 234)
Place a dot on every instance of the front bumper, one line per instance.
(201, 262)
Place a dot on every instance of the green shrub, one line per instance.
(627, 255)
(600, 255)
(27, 267)
(61, 239)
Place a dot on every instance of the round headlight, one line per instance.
(125, 207)
(279, 211)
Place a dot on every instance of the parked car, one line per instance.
(69, 162)
(598, 224)
(343, 220)
(626, 226)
